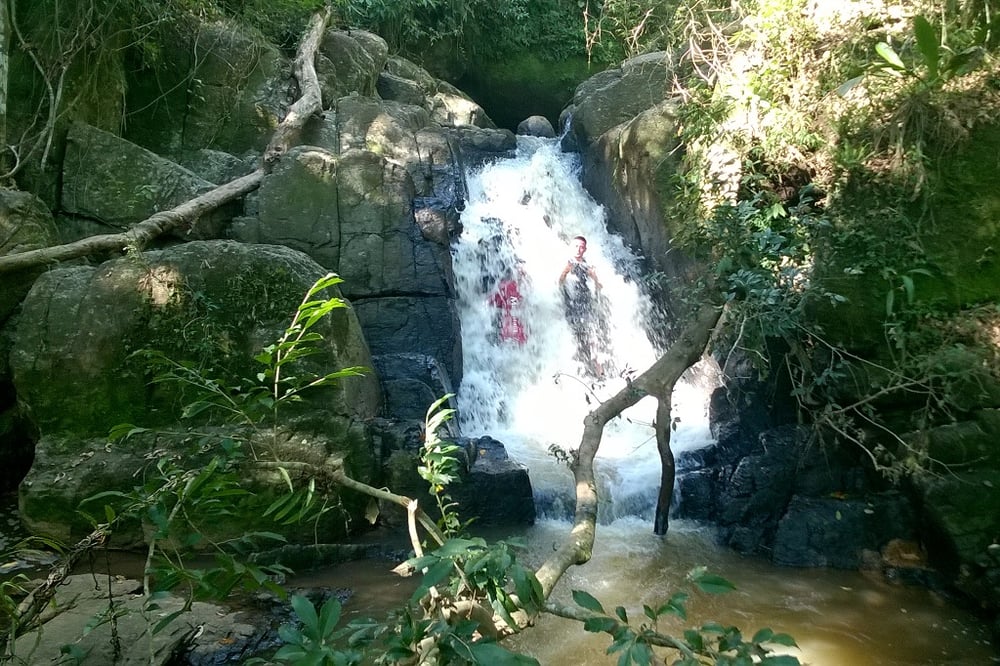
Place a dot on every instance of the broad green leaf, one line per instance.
(763, 635)
(306, 612)
(587, 601)
(889, 55)
(435, 574)
(908, 288)
(622, 615)
(641, 654)
(456, 547)
(713, 628)
(783, 639)
(124, 431)
(849, 85)
(780, 660)
(491, 654)
(713, 584)
(329, 616)
(694, 639)
(961, 63)
(928, 44)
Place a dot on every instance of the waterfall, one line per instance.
(519, 222)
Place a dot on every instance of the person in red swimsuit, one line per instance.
(507, 299)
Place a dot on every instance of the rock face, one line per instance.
(198, 303)
(776, 493)
(198, 632)
(25, 224)
(119, 183)
(217, 85)
(536, 126)
(625, 127)
(372, 194)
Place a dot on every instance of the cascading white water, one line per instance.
(524, 212)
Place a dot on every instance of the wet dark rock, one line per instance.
(497, 490)
(411, 383)
(536, 126)
(833, 532)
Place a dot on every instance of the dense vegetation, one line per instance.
(819, 185)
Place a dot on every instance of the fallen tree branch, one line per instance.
(139, 235)
(658, 380)
(311, 100)
(613, 626)
(309, 103)
(36, 602)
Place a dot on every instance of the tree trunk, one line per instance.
(4, 75)
(659, 381)
(139, 235)
(664, 426)
(311, 100)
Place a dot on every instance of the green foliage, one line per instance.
(466, 573)
(183, 498)
(712, 643)
(281, 381)
(440, 465)
(617, 29)
(473, 29)
(933, 64)
(312, 640)
(281, 21)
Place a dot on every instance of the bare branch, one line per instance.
(311, 100)
(141, 234)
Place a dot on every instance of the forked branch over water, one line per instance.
(657, 381)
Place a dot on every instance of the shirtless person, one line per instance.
(581, 310)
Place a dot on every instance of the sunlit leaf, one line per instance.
(586, 600)
(890, 56)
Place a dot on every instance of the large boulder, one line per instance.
(407, 82)
(25, 224)
(349, 62)
(615, 96)
(201, 631)
(71, 357)
(625, 126)
(217, 84)
(352, 210)
(119, 183)
(76, 374)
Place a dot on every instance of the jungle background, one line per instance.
(828, 175)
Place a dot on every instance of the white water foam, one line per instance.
(525, 211)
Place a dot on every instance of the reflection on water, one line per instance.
(838, 618)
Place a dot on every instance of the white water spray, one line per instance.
(524, 212)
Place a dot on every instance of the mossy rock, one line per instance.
(73, 480)
(948, 260)
(213, 304)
